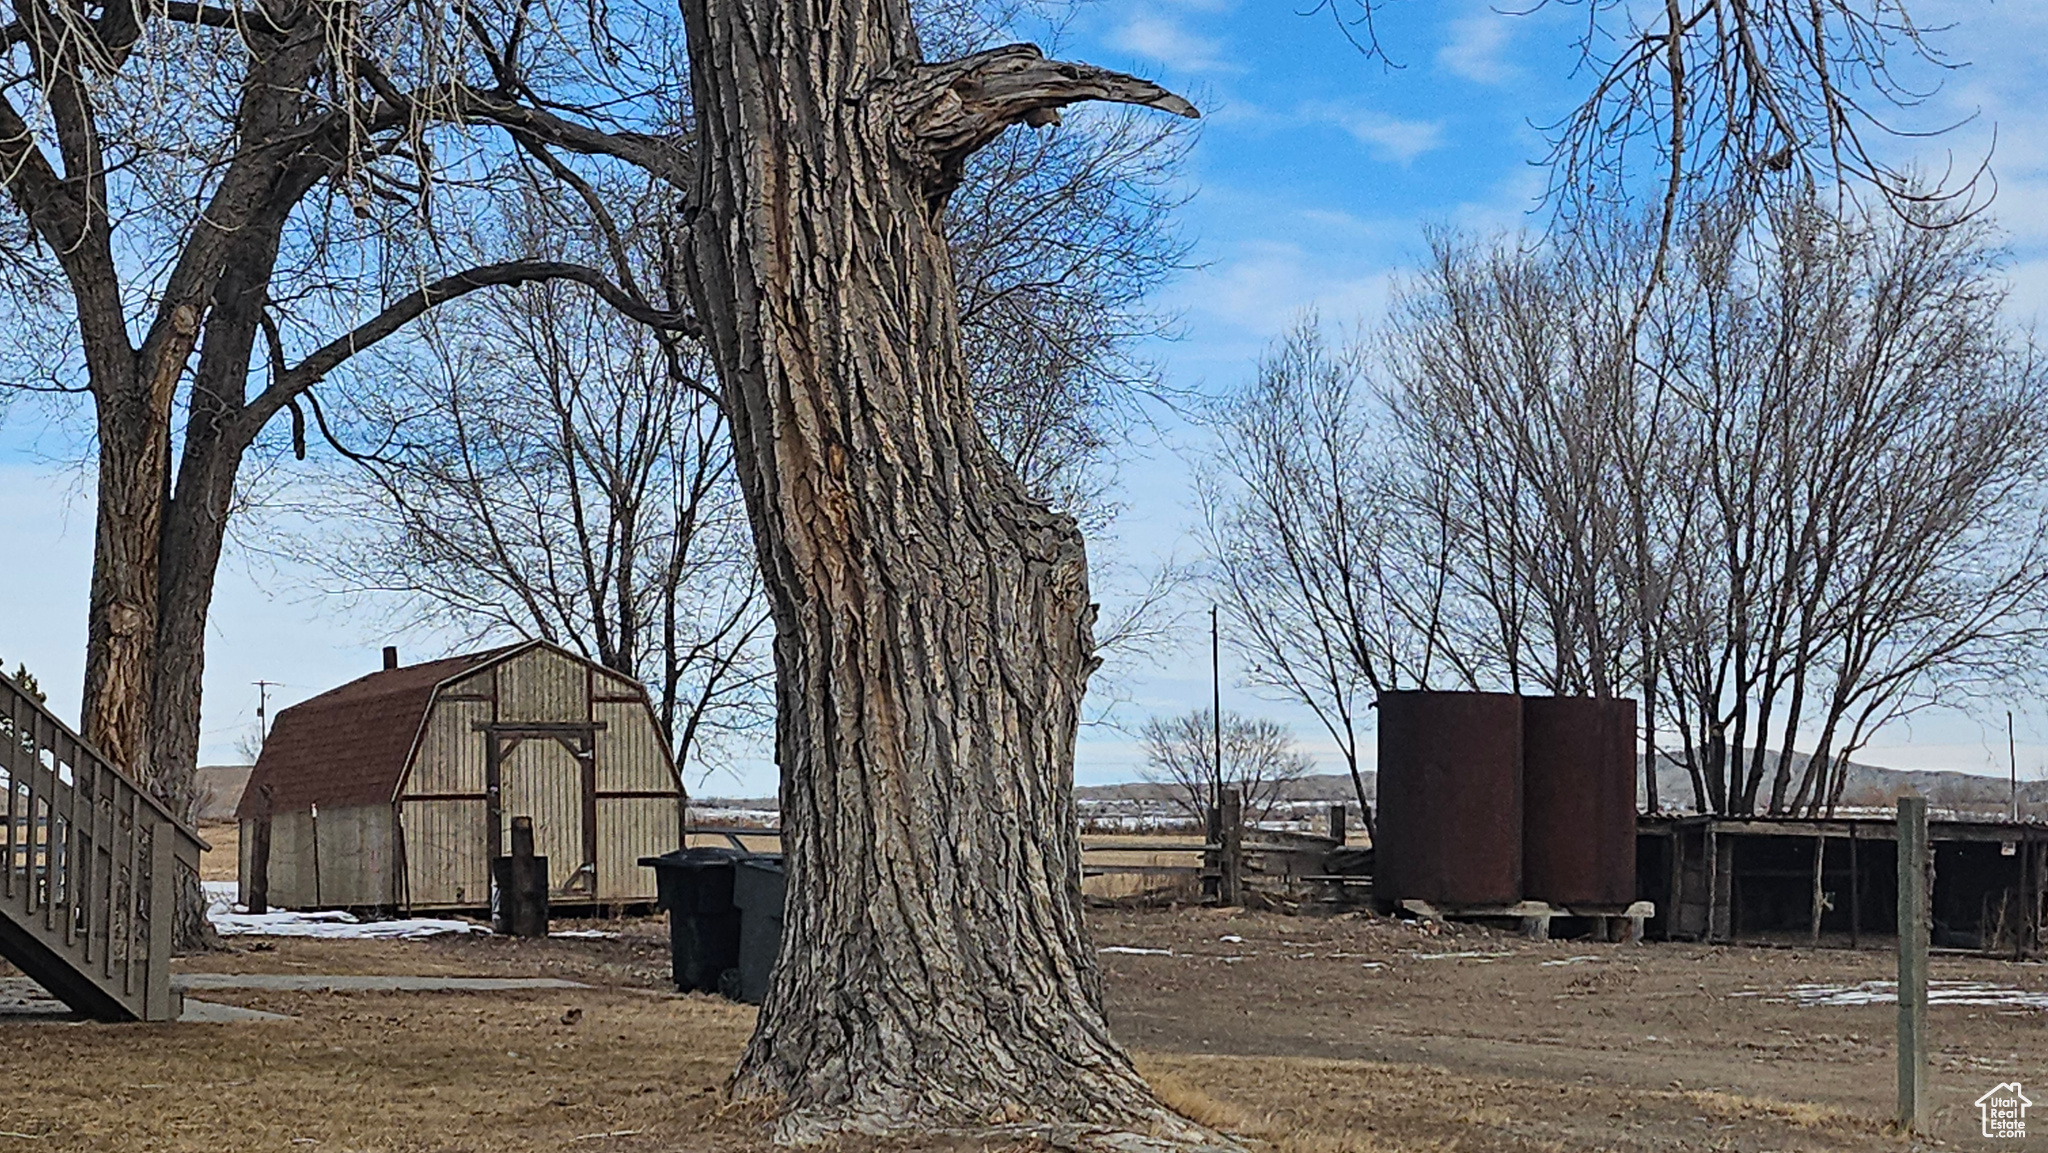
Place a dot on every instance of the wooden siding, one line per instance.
(478, 684)
(630, 757)
(451, 752)
(637, 807)
(352, 864)
(447, 857)
(543, 686)
(629, 828)
(614, 684)
(543, 781)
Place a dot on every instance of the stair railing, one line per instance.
(89, 860)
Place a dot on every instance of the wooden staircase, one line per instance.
(89, 866)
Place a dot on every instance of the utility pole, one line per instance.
(2012, 761)
(1216, 704)
(263, 709)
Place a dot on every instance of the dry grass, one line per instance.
(752, 842)
(1305, 1105)
(391, 1072)
(635, 1072)
(1162, 886)
(222, 859)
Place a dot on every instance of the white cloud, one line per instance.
(1163, 40)
(1268, 284)
(1391, 138)
(1473, 50)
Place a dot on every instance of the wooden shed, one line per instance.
(396, 790)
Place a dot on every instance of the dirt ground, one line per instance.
(1295, 1034)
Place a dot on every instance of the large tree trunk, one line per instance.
(933, 622)
(133, 394)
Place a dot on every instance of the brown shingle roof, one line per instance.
(348, 746)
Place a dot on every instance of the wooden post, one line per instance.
(1720, 884)
(314, 834)
(1676, 911)
(2024, 923)
(258, 896)
(1913, 928)
(1232, 892)
(2034, 895)
(522, 886)
(159, 1002)
(1212, 859)
(1337, 823)
(1820, 856)
(1855, 892)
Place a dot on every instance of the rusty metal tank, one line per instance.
(1450, 799)
(1578, 800)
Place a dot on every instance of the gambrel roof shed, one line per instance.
(397, 789)
(351, 745)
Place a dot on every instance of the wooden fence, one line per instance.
(1234, 864)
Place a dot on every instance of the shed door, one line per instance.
(546, 776)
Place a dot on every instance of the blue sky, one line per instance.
(1315, 175)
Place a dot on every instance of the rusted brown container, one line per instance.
(1578, 800)
(1450, 799)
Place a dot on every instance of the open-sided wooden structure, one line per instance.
(396, 790)
(1834, 881)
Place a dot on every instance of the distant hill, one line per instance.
(220, 790)
(1323, 787)
(1869, 785)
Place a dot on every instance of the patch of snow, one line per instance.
(1133, 950)
(1482, 958)
(585, 934)
(1580, 960)
(739, 820)
(1231, 938)
(1978, 993)
(234, 920)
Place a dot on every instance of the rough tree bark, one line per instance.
(933, 622)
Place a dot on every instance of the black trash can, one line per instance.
(759, 889)
(696, 887)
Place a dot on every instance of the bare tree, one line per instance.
(1797, 496)
(933, 624)
(1309, 559)
(1873, 538)
(1057, 240)
(225, 205)
(535, 474)
(1260, 761)
(1508, 377)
